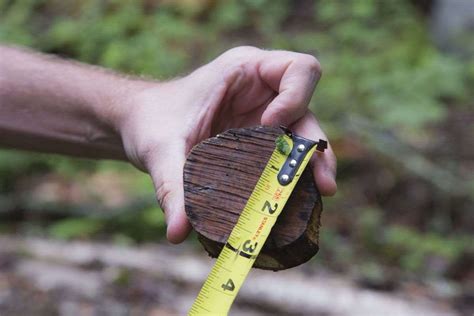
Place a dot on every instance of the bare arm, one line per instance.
(51, 105)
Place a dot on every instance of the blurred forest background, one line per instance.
(396, 100)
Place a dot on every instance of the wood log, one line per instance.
(220, 174)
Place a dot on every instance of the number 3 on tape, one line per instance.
(266, 202)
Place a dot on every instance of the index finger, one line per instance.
(294, 76)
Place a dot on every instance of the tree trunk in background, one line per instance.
(452, 26)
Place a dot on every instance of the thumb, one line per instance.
(167, 174)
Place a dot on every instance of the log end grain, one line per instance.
(219, 176)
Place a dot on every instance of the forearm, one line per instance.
(51, 105)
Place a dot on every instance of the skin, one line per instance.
(52, 105)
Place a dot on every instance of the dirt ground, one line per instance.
(45, 277)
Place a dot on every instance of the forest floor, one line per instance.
(49, 277)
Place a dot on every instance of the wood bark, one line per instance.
(219, 176)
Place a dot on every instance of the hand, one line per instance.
(245, 86)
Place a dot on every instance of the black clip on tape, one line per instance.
(301, 146)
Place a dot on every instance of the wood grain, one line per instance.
(219, 176)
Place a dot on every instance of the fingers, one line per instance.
(294, 76)
(166, 169)
(323, 164)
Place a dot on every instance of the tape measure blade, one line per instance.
(265, 203)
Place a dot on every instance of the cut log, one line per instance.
(220, 174)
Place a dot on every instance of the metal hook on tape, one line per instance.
(301, 146)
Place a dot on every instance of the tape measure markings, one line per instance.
(260, 213)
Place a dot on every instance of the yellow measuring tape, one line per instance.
(254, 225)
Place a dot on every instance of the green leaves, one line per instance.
(282, 145)
(75, 228)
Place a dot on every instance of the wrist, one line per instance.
(123, 98)
(126, 99)
(112, 103)
(105, 97)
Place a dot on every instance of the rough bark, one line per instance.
(219, 176)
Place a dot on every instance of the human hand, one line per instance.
(161, 122)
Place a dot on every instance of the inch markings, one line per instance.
(243, 245)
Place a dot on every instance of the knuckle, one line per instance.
(244, 48)
(284, 113)
(150, 150)
(163, 193)
(147, 154)
(240, 51)
(313, 63)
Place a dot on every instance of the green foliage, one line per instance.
(415, 248)
(123, 277)
(378, 63)
(74, 228)
(17, 164)
(138, 225)
(123, 37)
(282, 145)
(403, 246)
(126, 227)
(14, 16)
(377, 58)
